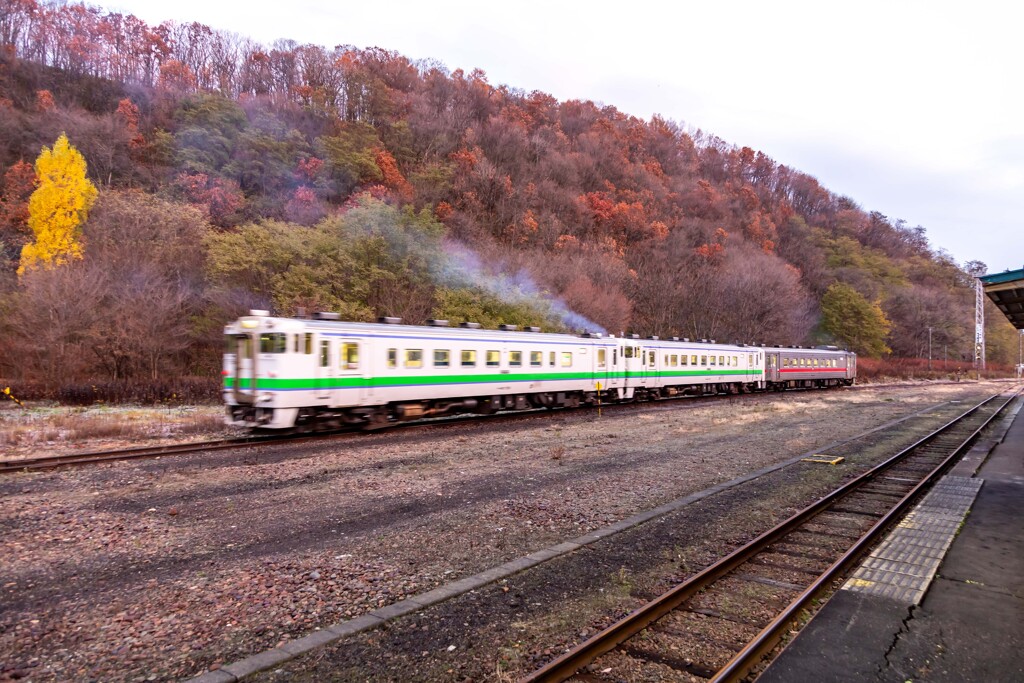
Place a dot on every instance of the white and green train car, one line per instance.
(281, 373)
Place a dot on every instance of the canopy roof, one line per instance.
(1007, 292)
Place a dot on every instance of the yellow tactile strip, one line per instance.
(903, 565)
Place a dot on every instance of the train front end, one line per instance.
(256, 371)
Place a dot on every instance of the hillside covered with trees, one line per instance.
(231, 175)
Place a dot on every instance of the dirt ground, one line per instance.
(162, 569)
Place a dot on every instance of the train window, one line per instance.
(515, 359)
(441, 358)
(392, 358)
(536, 359)
(414, 358)
(712, 360)
(602, 358)
(675, 360)
(627, 352)
(721, 360)
(295, 343)
(325, 353)
(551, 359)
(815, 362)
(566, 359)
(683, 358)
(703, 360)
(349, 356)
(693, 360)
(309, 343)
(273, 342)
(651, 359)
(469, 358)
(493, 359)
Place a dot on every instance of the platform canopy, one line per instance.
(1007, 292)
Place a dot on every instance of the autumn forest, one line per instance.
(219, 175)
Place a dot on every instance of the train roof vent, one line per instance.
(654, 336)
(827, 347)
(674, 338)
(591, 335)
(470, 326)
(434, 322)
(508, 328)
(634, 336)
(531, 328)
(326, 315)
(712, 341)
(686, 339)
(385, 320)
(703, 341)
(258, 312)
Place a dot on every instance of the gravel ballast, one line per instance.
(163, 569)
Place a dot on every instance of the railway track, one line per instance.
(719, 624)
(97, 457)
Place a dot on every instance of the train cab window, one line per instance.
(441, 357)
(537, 358)
(469, 358)
(602, 358)
(325, 353)
(392, 358)
(566, 359)
(515, 359)
(273, 342)
(349, 356)
(712, 360)
(309, 343)
(493, 359)
(414, 358)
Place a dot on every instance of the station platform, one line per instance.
(952, 616)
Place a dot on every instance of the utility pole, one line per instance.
(929, 348)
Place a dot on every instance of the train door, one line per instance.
(353, 370)
(633, 362)
(245, 369)
(324, 369)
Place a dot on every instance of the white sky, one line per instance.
(913, 109)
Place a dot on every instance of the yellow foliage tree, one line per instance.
(58, 207)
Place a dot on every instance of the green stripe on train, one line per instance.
(412, 380)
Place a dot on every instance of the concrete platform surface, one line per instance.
(969, 625)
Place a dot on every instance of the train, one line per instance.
(319, 372)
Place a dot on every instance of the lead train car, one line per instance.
(283, 372)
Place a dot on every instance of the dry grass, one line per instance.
(26, 429)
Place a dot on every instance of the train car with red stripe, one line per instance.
(796, 367)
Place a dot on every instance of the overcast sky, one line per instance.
(913, 109)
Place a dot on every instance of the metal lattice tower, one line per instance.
(979, 325)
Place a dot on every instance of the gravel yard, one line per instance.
(162, 569)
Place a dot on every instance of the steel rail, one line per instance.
(569, 663)
(96, 457)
